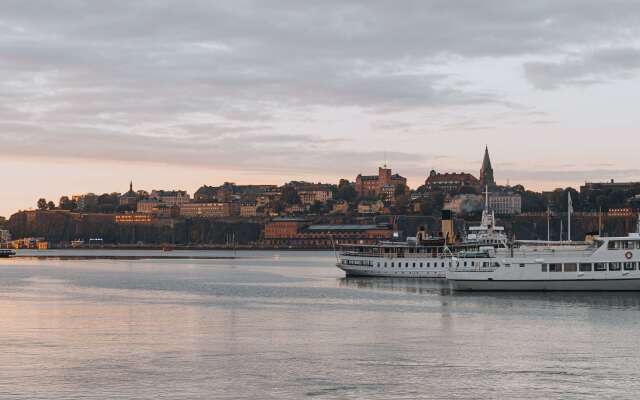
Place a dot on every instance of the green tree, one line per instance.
(347, 193)
(42, 204)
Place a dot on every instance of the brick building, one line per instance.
(372, 185)
(449, 182)
(296, 232)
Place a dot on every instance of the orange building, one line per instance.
(297, 232)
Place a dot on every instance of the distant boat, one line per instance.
(7, 253)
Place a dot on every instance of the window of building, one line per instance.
(571, 267)
(629, 266)
(585, 267)
(555, 267)
(614, 266)
(600, 266)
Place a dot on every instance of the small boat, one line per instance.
(7, 253)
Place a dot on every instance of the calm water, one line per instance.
(288, 325)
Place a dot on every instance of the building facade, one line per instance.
(372, 185)
(505, 203)
(130, 198)
(209, 210)
(170, 197)
(449, 182)
(301, 233)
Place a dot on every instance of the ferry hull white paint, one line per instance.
(609, 285)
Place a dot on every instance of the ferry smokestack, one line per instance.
(447, 227)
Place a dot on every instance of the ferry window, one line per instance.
(521, 265)
(496, 264)
(585, 267)
(391, 265)
(507, 265)
(414, 265)
(629, 266)
(473, 263)
(544, 267)
(420, 265)
(385, 265)
(600, 266)
(612, 245)
(614, 266)
(464, 264)
(627, 245)
(555, 267)
(571, 267)
(406, 265)
(378, 265)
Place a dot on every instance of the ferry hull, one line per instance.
(353, 271)
(609, 285)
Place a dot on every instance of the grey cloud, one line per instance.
(121, 76)
(590, 68)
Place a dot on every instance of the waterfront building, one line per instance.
(486, 171)
(170, 197)
(209, 210)
(146, 206)
(449, 182)
(248, 209)
(370, 207)
(5, 236)
(129, 198)
(300, 232)
(505, 203)
(590, 188)
(284, 227)
(133, 219)
(372, 185)
(311, 194)
(205, 194)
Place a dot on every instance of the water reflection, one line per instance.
(408, 285)
(426, 286)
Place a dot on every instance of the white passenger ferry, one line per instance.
(421, 256)
(604, 263)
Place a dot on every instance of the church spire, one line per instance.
(486, 172)
(131, 186)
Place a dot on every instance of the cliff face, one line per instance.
(63, 226)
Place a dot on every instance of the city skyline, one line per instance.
(267, 93)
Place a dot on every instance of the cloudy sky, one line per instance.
(175, 94)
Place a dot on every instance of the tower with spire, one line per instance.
(486, 172)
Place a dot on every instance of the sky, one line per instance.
(176, 94)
